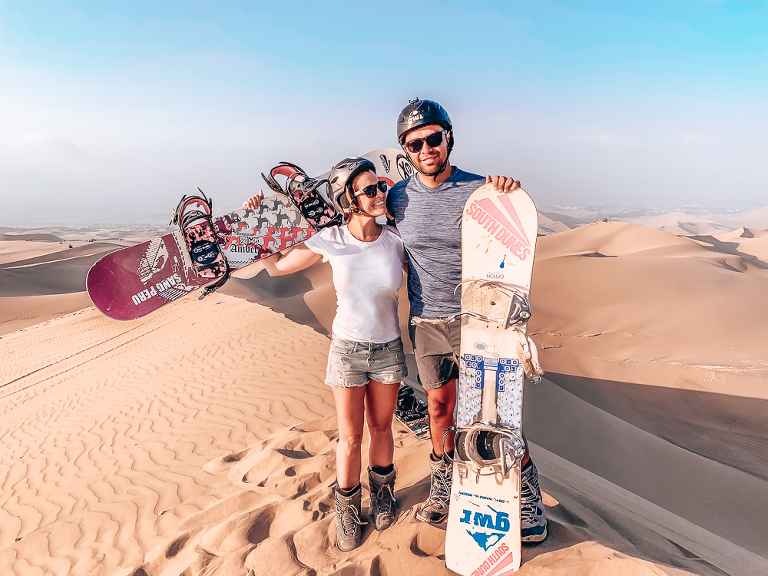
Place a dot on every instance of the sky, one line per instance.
(111, 111)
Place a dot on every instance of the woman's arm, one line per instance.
(300, 258)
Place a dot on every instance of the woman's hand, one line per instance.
(254, 201)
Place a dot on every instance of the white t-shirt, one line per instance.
(367, 277)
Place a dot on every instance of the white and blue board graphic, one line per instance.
(507, 376)
(487, 527)
(471, 381)
(509, 388)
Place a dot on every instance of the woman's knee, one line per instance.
(351, 441)
(381, 427)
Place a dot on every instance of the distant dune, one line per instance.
(549, 226)
(569, 220)
(683, 224)
(201, 439)
(674, 222)
(754, 219)
(30, 236)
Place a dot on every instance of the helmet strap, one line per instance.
(435, 174)
(353, 207)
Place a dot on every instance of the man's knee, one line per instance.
(441, 401)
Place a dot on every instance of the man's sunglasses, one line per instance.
(433, 141)
(372, 190)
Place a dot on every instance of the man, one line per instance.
(427, 210)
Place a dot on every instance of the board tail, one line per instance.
(483, 532)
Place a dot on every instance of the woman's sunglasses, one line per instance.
(433, 141)
(372, 190)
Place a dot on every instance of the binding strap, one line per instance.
(303, 193)
(290, 171)
(192, 210)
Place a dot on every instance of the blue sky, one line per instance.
(111, 111)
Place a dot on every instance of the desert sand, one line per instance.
(200, 439)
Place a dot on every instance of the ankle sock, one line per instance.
(383, 470)
(347, 493)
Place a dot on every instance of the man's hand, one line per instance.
(254, 201)
(503, 183)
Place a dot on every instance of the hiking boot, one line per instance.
(435, 508)
(348, 533)
(383, 503)
(533, 523)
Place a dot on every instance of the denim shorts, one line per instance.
(352, 363)
(436, 348)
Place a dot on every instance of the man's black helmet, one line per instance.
(340, 182)
(420, 113)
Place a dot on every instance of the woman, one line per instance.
(366, 362)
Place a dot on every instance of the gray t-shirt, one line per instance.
(429, 222)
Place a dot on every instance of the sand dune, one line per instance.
(11, 250)
(753, 219)
(742, 242)
(41, 280)
(19, 312)
(652, 297)
(61, 272)
(679, 354)
(68, 252)
(674, 222)
(200, 440)
(569, 219)
(31, 237)
(84, 233)
(680, 223)
(249, 528)
(549, 226)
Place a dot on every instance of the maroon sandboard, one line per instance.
(135, 281)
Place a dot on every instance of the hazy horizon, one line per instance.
(591, 213)
(111, 111)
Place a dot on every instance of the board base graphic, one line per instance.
(411, 411)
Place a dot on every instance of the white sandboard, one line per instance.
(498, 242)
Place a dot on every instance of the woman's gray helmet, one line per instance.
(340, 182)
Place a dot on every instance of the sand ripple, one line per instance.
(105, 426)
